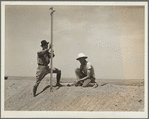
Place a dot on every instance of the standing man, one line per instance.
(43, 59)
(85, 74)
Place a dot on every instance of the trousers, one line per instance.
(79, 75)
(42, 71)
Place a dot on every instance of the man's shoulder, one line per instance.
(88, 63)
(39, 51)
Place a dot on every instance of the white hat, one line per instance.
(81, 55)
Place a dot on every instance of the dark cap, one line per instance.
(44, 42)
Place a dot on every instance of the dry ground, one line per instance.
(110, 95)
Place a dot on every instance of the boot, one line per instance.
(34, 91)
(95, 86)
(58, 80)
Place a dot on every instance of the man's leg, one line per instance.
(79, 75)
(40, 74)
(86, 82)
(35, 87)
(90, 83)
(58, 76)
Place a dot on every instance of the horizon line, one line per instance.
(73, 77)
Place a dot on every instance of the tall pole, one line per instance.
(52, 11)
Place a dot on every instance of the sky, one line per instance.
(111, 36)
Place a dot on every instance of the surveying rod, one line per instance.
(52, 11)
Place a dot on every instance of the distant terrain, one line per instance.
(110, 95)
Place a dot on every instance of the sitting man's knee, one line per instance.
(84, 85)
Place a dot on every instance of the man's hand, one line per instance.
(46, 50)
(52, 51)
(50, 46)
(78, 83)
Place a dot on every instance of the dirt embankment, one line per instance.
(106, 97)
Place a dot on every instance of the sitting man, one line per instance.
(43, 59)
(85, 74)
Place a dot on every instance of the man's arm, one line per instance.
(42, 53)
(50, 54)
(88, 75)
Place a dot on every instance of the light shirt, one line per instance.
(86, 67)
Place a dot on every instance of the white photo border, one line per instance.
(72, 114)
